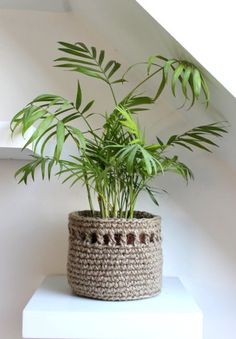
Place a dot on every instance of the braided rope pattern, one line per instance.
(114, 259)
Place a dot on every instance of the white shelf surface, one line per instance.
(10, 148)
(54, 312)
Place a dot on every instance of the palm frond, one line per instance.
(189, 76)
(198, 137)
(88, 61)
(51, 116)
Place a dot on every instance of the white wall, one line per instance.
(198, 221)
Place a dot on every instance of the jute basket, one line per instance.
(114, 259)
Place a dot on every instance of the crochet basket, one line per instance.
(114, 259)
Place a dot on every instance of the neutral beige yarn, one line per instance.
(114, 259)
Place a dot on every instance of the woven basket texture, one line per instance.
(114, 259)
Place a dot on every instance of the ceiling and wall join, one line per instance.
(198, 220)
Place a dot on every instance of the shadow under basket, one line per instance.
(114, 258)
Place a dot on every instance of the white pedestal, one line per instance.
(54, 312)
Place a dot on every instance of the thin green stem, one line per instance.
(89, 195)
(112, 92)
(141, 83)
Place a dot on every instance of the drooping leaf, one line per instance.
(205, 90)
(131, 158)
(50, 165)
(101, 57)
(185, 81)
(151, 195)
(192, 90)
(160, 141)
(60, 139)
(79, 135)
(167, 67)
(35, 116)
(43, 167)
(161, 87)
(40, 129)
(150, 63)
(197, 82)
(176, 76)
(94, 52)
(78, 96)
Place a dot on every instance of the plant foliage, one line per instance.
(115, 162)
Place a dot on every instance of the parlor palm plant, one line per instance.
(116, 163)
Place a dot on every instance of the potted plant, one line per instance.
(114, 251)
